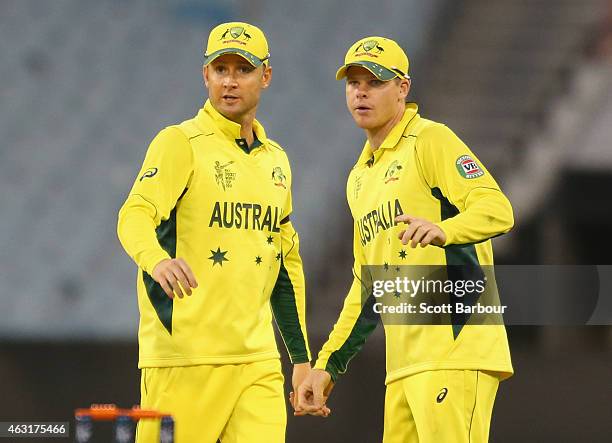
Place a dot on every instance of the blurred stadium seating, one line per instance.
(86, 86)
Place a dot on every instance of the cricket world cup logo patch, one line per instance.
(224, 177)
(278, 177)
(235, 34)
(393, 172)
(468, 168)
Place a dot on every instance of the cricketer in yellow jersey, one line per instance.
(208, 217)
(415, 184)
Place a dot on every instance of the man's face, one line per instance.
(373, 102)
(234, 85)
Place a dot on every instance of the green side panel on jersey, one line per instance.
(461, 260)
(166, 236)
(364, 326)
(284, 307)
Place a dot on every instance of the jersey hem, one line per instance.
(161, 362)
(503, 370)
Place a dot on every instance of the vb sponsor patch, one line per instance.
(468, 168)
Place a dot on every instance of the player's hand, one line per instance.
(300, 373)
(420, 231)
(175, 277)
(313, 394)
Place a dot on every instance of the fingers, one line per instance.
(323, 412)
(187, 272)
(182, 278)
(428, 238)
(166, 287)
(405, 218)
(292, 400)
(318, 397)
(304, 403)
(304, 395)
(175, 277)
(419, 234)
(419, 231)
(410, 231)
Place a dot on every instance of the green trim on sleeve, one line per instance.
(365, 324)
(285, 311)
(166, 236)
(461, 260)
(455, 254)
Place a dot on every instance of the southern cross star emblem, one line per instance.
(278, 256)
(258, 260)
(218, 257)
(402, 254)
(270, 240)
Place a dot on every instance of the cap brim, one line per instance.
(251, 58)
(379, 71)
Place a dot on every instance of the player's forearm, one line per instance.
(288, 298)
(354, 326)
(136, 232)
(488, 214)
(291, 325)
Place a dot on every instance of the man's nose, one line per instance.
(361, 92)
(229, 81)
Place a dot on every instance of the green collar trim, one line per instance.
(209, 117)
(242, 144)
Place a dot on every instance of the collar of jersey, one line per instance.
(208, 116)
(393, 137)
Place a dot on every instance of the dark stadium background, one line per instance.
(86, 85)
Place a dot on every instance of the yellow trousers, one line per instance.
(242, 403)
(444, 406)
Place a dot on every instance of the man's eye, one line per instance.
(246, 69)
(220, 69)
(376, 82)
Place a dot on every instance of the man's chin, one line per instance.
(230, 112)
(363, 122)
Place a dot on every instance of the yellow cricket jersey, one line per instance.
(203, 196)
(422, 169)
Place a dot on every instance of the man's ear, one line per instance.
(205, 74)
(267, 76)
(404, 88)
(408, 84)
